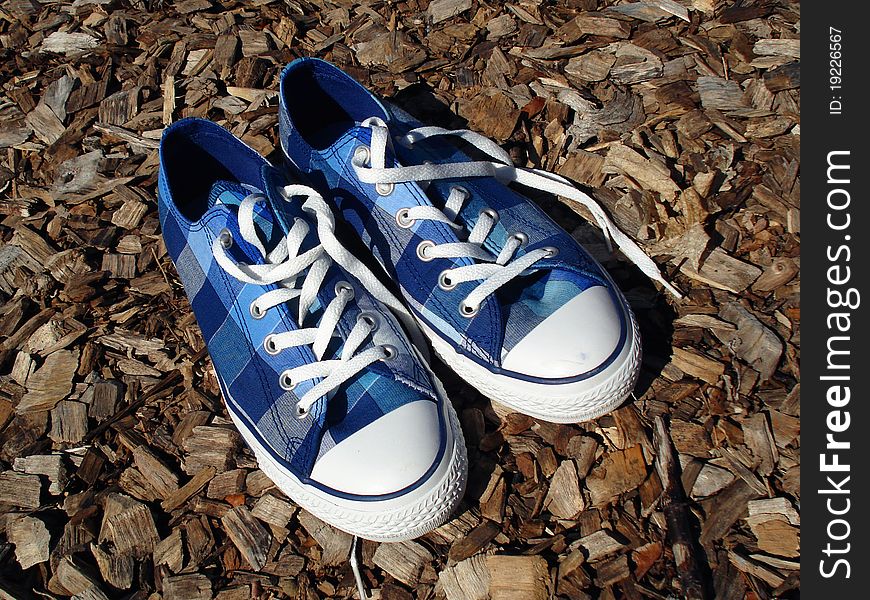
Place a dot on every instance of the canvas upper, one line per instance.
(382, 431)
(562, 320)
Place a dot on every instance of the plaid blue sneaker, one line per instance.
(340, 409)
(508, 299)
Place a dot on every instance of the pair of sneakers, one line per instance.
(323, 369)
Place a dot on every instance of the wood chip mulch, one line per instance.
(121, 475)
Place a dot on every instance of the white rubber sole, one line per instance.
(401, 518)
(558, 403)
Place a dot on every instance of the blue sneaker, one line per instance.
(508, 299)
(338, 406)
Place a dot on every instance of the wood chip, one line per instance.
(334, 543)
(755, 569)
(720, 94)
(653, 175)
(130, 215)
(131, 529)
(780, 272)
(115, 567)
(227, 483)
(183, 494)
(30, 537)
(590, 24)
(69, 422)
(474, 541)
(105, 400)
(698, 365)
(273, 510)
(162, 478)
(635, 65)
(724, 509)
(613, 571)
(45, 124)
(194, 586)
(774, 522)
(50, 465)
(495, 115)
(711, 480)
(599, 545)
(121, 266)
(722, 271)
(593, 66)
(74, 579)
(248, 535)
(50, 383)
(518, 577)
(619, 472)
(468, 579)
(254, 43)
(752, 341)
(61, 42)
(210, 447)
(441, 10)
(585, 168)
(170, 552)
(403, 560)
(564, 499)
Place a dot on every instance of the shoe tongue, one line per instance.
(230, 193)
(286, 210)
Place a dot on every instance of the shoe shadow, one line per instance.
(419, 101)
(482, 436)
(655, 318)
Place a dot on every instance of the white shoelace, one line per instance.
(494, 271)
(283, 265)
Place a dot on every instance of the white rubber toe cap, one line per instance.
(386, 456)
(574, 340)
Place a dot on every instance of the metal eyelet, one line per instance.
(286, 382)
(422, 247)
(270, 346)
(551, 251)
(468, 311)
(521, 237)
(390, 352)
(385, 189)
(256, 311)
(344, 287)
(361, 155)
(301, 413)
(371, 318)
(403, 220)
(491, 213)
(444, 281)
(226, 238)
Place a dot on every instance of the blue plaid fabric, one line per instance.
(202, 169)
(325, 156)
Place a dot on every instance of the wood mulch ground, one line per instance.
(121, 475)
